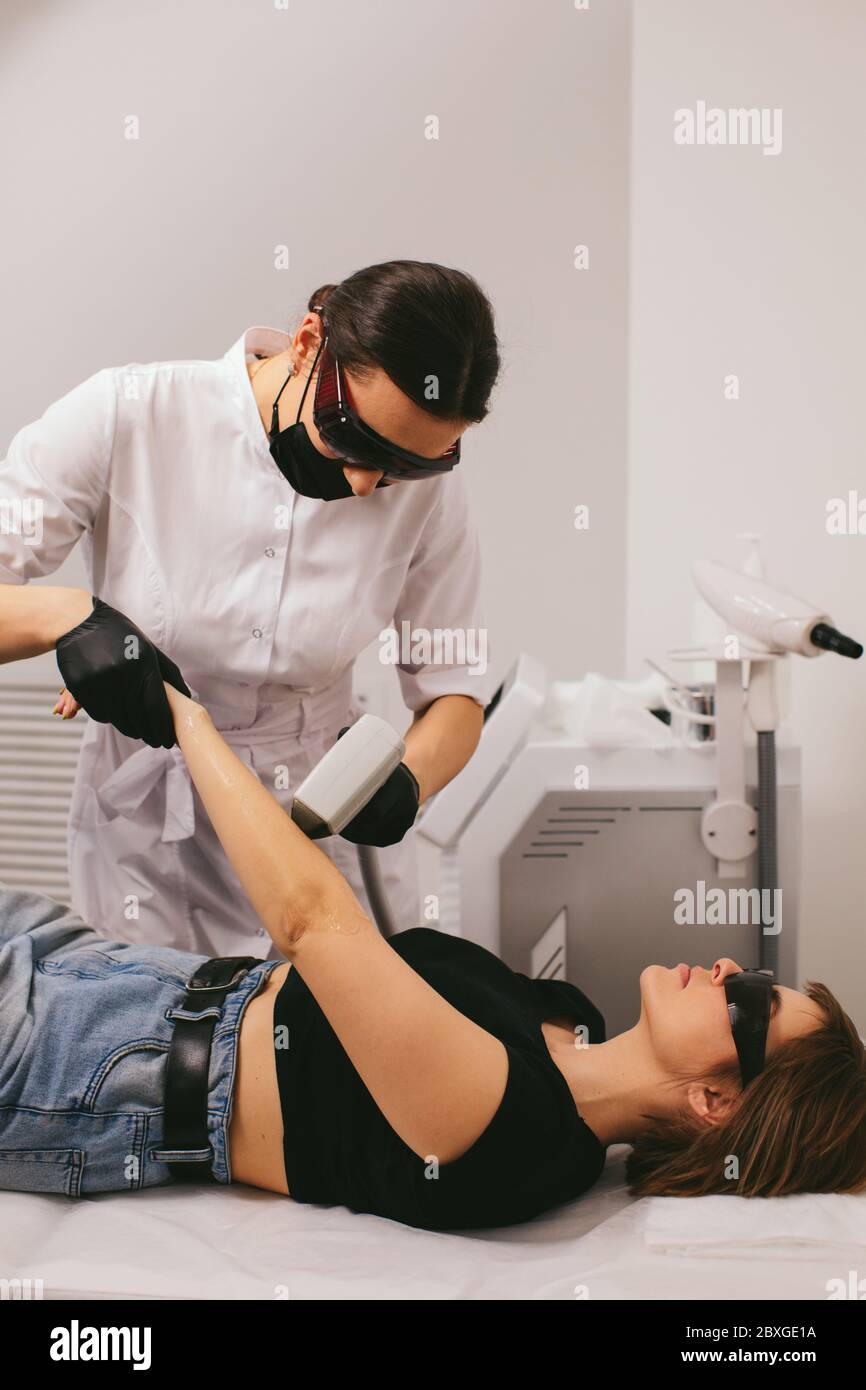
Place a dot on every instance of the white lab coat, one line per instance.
(263, 597)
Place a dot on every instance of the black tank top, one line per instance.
(535, 1154)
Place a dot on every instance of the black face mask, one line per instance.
(310, 473)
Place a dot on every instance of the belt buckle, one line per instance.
(243, 965)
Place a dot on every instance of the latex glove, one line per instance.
(389, 813)
(117, 680)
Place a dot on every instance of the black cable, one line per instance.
(768, 872)
(374, 886)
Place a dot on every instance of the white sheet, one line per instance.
(792, 1226)
(239, 1243)
(629, 1258)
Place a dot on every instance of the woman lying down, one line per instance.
(418, 1078)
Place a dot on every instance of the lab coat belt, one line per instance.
(131, 784)
(128, 786)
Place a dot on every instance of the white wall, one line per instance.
(305, 126)
(754, 265)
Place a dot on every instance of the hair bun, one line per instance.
(320, 296)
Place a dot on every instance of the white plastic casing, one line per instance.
(523, 695)
(342, 782)
(769, 618)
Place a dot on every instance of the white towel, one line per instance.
(756, 1226)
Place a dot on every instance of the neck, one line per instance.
(615, 1084)
(266, 378)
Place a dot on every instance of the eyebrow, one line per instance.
(777, 1002)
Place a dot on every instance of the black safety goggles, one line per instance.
(343, 430)
(749, 994)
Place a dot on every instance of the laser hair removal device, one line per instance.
(340, 785)
(766, 624)
(343, 781)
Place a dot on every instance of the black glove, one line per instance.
(117, 681)
(390, 811)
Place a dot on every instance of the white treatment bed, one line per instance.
(239, 1243)
(207, 1243)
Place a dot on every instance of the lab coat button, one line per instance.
(257, 632)
(270, 552)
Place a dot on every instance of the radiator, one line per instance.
(38, 755)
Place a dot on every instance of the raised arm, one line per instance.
(110, 666)
(437, 1077)
(33, 616)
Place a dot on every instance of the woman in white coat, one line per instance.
(261, 518)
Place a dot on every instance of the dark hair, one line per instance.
(799, 1126)
(417, 320)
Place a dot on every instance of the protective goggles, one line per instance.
(343, 430)
(749, 995)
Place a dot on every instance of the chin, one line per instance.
(656, 983)
(646, 973)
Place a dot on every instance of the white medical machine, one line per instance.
(761, 625)
(574, 860)
(592, 862)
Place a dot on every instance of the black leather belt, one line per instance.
(186, 1077)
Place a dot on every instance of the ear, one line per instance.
(305, 343)
(712, 1104)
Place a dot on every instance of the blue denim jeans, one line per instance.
(85, 1028)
